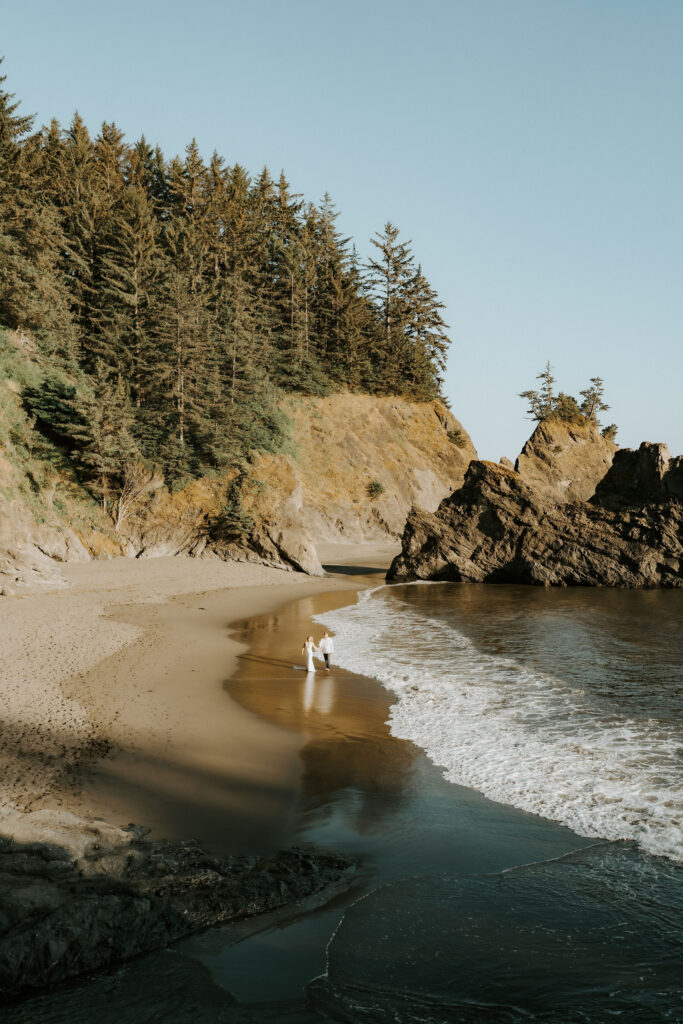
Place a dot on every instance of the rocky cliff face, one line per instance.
(358, 465)
(498, 529)
(35, 538)
(30, 552)
(564, 461)
(355, 466)
(648, 474)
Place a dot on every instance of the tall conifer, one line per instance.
(176, 297)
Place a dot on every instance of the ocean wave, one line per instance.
(519, 736)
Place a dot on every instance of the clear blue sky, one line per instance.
(531, 149)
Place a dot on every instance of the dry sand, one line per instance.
(113, 700)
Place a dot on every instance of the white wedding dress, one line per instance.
(309, 648)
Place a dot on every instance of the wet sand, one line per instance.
(311, 759)
(257, 754)
(209, 768)
(359, 790)
(114, 707)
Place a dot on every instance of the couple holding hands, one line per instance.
(325, 647)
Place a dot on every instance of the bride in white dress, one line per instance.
(308, 648)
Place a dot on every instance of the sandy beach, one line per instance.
(113, 697)
(189, 713)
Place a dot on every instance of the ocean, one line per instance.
(565, 703)
(516, 824)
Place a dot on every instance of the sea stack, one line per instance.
(500, 528)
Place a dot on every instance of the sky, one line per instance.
(531, 150)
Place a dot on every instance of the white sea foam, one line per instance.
(518, 736)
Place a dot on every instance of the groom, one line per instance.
(326, 645)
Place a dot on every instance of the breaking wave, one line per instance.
(520, 736)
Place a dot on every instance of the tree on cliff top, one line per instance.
(544, 404)
(191, 296)
(542, 401)
(593, 400)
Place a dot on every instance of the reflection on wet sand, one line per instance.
(318, 696)
(349, 756)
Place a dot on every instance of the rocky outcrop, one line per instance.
(284, 546)
(497, 529)
(76, 895)
(30, 552)
(637, 477)
(564, 460)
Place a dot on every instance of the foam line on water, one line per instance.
(519, 736)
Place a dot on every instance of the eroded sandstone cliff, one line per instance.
(354, 466)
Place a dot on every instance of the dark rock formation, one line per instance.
(648, 474)
(105, 894)
(497, 529)
(564, 460)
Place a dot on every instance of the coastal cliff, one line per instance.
(349, 469)
(497, 528)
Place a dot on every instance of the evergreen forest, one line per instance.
(174, 300)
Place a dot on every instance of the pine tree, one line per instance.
(185, 314)
(238, 225)
(547, 393)
(593, 400)
(260, 260)
(110, 154)
(32, 295)
(331, 256)
(146, 166)
(90, 416)
(389, 276)
(285, 229)
(101, 434)
(358, 338)
(78, 202)
(130, 271)
(426, 330)
(241, 410)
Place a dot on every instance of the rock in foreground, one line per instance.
(89, 894)
(497, 529)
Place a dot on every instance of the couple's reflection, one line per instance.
(318, 695)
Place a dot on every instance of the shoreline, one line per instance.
(113, 698)
(85, 890)
(318, 766)
(363, 792)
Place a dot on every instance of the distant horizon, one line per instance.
(533, 155)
